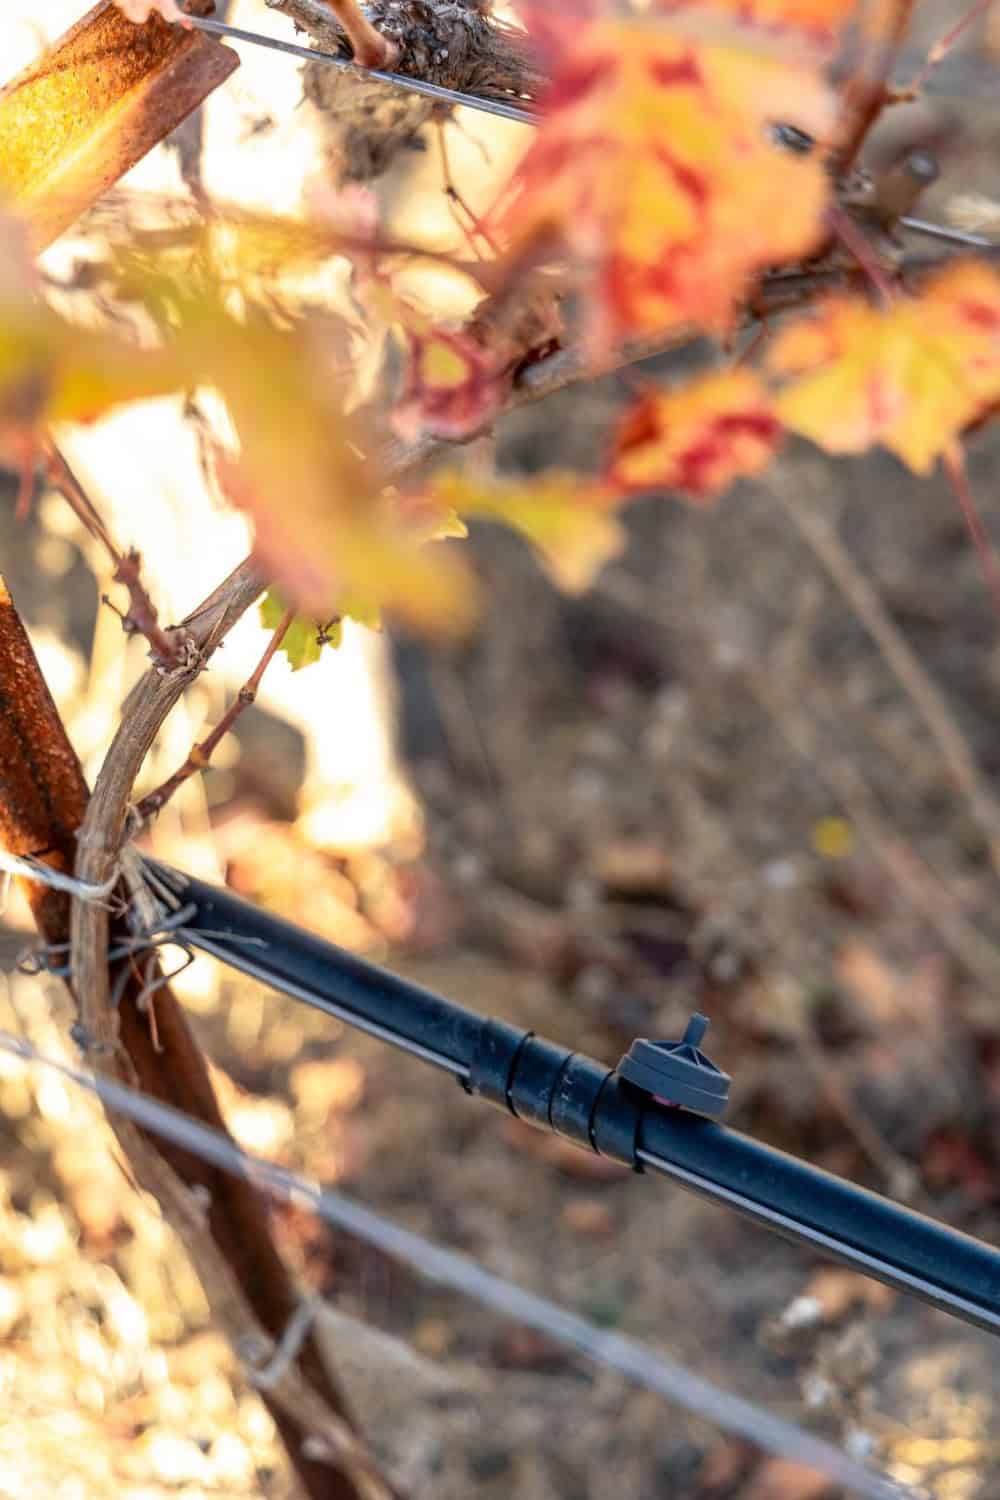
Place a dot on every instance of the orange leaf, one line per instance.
(654, 168)
(696, 439)
(910, 378)
(567, 517)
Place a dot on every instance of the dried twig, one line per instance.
(939, 51)
(902, 661)
(371, 49)
(954, 467)
(201, 754)
(101, 832)
(868, 92)
(141, 617)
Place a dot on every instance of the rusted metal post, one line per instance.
(42, 797)
(106, 93)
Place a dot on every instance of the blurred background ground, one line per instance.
(701, 785)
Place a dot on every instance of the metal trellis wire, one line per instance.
(522, 113)
(436, 91)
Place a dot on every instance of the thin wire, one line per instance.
(26, 867)
(415, 85)
(945, 232)
(496, 107)
(448, 1268)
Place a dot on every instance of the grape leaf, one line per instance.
(454, 386)
(911, 377)
(325, 529)
(455, 379)
(654, 168)
(696, 439)
(567, 518)
(811, 23)
(304, 639)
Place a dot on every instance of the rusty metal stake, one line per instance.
(103, 95)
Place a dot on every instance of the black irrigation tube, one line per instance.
(558, 1089)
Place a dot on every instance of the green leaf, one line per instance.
(304, 639)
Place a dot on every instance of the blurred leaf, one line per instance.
(654, 168)
(54, 371)
(454, 386)
(454, 382)
(567, 517)
(696, 439)
(911, 377)
(819, 20)
(326, 532)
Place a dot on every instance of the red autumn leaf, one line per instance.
(552, 28)
(911, 377)
(696, 439)
(454, 386)
(655, 169)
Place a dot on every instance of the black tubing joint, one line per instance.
(678, 1073)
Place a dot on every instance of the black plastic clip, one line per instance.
(678, 1073)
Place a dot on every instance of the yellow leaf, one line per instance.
(304, 639)
(696, 439)
(567, 517)
(54, 371)
(833, 838)
(325, 531)
(910, 378)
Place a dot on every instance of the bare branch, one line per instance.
(867, 92)
(141, 617)
(102, 829)
(902, 661)
(201, 754)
